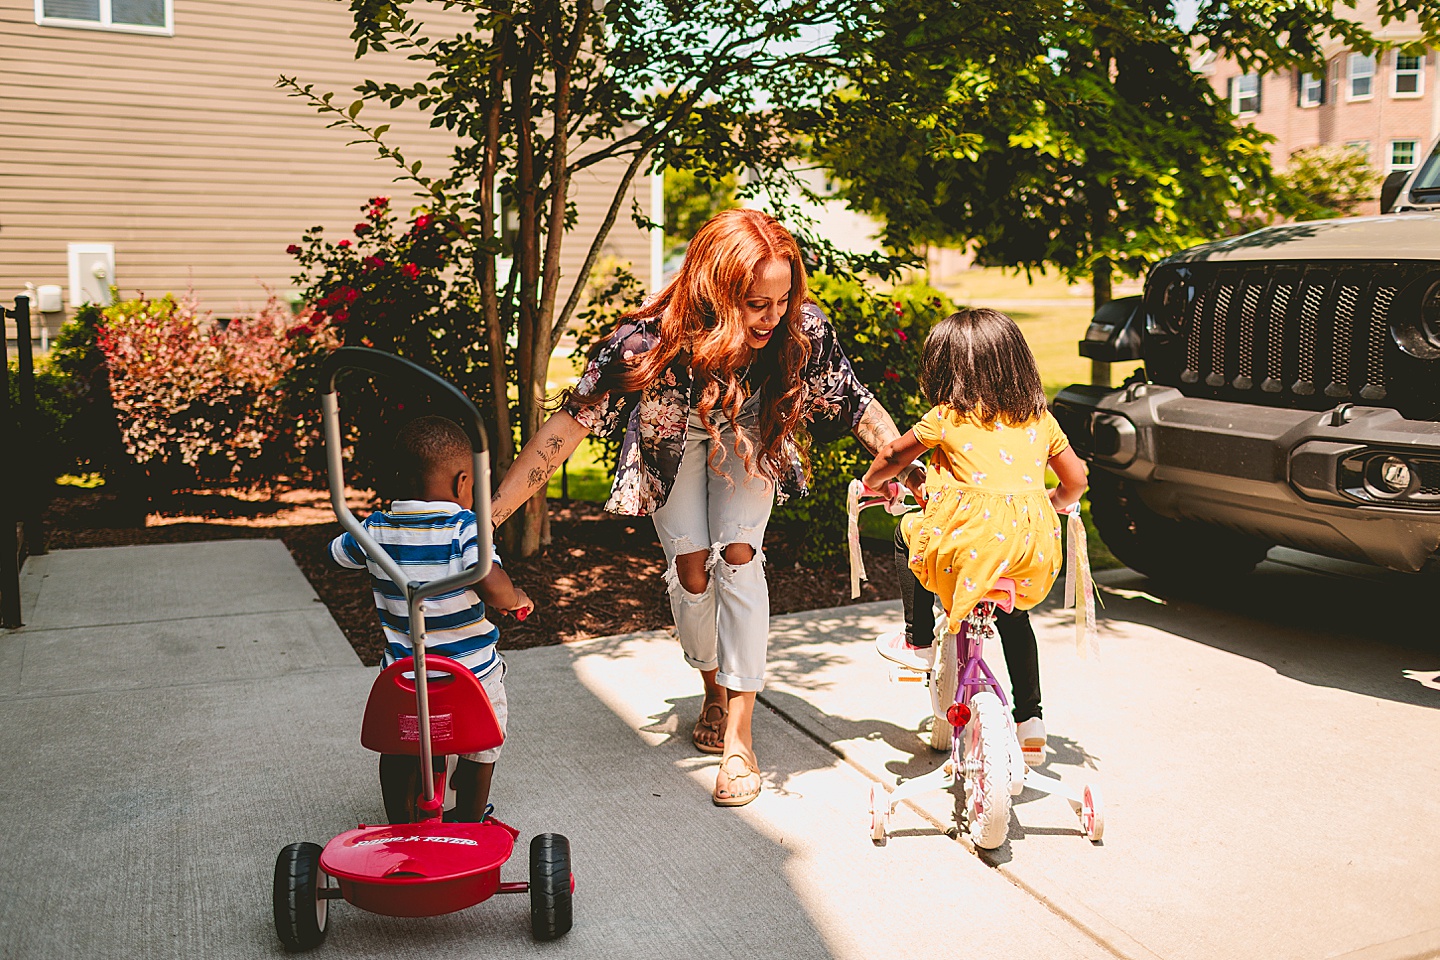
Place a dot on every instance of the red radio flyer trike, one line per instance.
(428, 868)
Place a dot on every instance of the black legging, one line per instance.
(1017, 636)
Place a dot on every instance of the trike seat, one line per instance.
(461, 717)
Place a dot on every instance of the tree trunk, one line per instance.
(1100, 283)
(486, 274)
(533, 342)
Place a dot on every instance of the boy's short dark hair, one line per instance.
(425, 446)
(978, 361)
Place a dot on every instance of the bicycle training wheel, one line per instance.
(944, 684)
(987, 772)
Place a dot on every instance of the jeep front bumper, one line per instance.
(1361, 483)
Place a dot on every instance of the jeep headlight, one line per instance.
(1166, 313)
(1430, 313)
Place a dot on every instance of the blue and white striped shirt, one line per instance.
(429, 539)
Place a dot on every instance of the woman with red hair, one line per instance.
(715, 387)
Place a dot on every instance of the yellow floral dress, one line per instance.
(986, 515)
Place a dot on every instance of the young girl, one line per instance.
(987, 514)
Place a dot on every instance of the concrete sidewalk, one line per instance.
(178, 713)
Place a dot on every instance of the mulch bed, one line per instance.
(599, 576)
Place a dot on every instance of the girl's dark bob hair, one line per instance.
(977, 362)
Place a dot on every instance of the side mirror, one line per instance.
(1116, 333)
(1390, 189)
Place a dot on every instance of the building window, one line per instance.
(1361, 147)
(1409, 76)
(1312, 89)
(131, 16)
(1362, 76)
(1245, 94)
(1402, 154)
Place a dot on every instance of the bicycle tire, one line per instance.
(987, 772)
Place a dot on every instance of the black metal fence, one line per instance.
(22, 530)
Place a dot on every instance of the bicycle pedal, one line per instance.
(899, 674)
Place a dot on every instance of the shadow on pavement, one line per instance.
(1326, 624)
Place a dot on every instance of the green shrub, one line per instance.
(44, 430)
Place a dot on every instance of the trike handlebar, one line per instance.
(389, 365)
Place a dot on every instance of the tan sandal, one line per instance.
(735, 799)
(715, 726)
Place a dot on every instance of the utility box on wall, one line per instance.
(92, 273)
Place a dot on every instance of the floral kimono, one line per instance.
(653, 420)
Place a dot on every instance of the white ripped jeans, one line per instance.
(727, 627)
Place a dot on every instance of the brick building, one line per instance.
(1386, 105)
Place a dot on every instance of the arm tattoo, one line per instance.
(875, 428)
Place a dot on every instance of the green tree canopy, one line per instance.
(537, 92)
(1073, 135)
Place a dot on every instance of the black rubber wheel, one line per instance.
(550, 910)
(300, 912)
(1175, 551)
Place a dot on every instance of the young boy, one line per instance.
(433, 535)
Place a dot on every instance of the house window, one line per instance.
(1312, 89)
(1245, 94)
(130, 16)
(1402, 154)
(1409, 76)
(1362, 76)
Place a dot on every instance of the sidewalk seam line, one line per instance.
(31, 631)
(93, 691)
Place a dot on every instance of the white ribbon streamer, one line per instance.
(1080, 586)
(852, 537)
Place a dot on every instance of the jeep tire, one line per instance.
(1175, 551)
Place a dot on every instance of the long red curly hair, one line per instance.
(699, 312)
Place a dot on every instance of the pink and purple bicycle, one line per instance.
(972, 719)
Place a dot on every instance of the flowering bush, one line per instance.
(403, 288)
(200, 401)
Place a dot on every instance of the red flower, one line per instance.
(899, 310)
(303, 330)
(349, 293)
(422, 221)
(361, 229)
(410, 270)
(343, 244)
(373, 263)
(901, 334)
(293, 249)
(341, 316)
(380, 202)
(892, 375)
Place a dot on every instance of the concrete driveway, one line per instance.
(178, 713)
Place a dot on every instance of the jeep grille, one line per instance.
(1304, 335)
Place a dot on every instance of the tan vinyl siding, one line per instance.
(182, 152)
